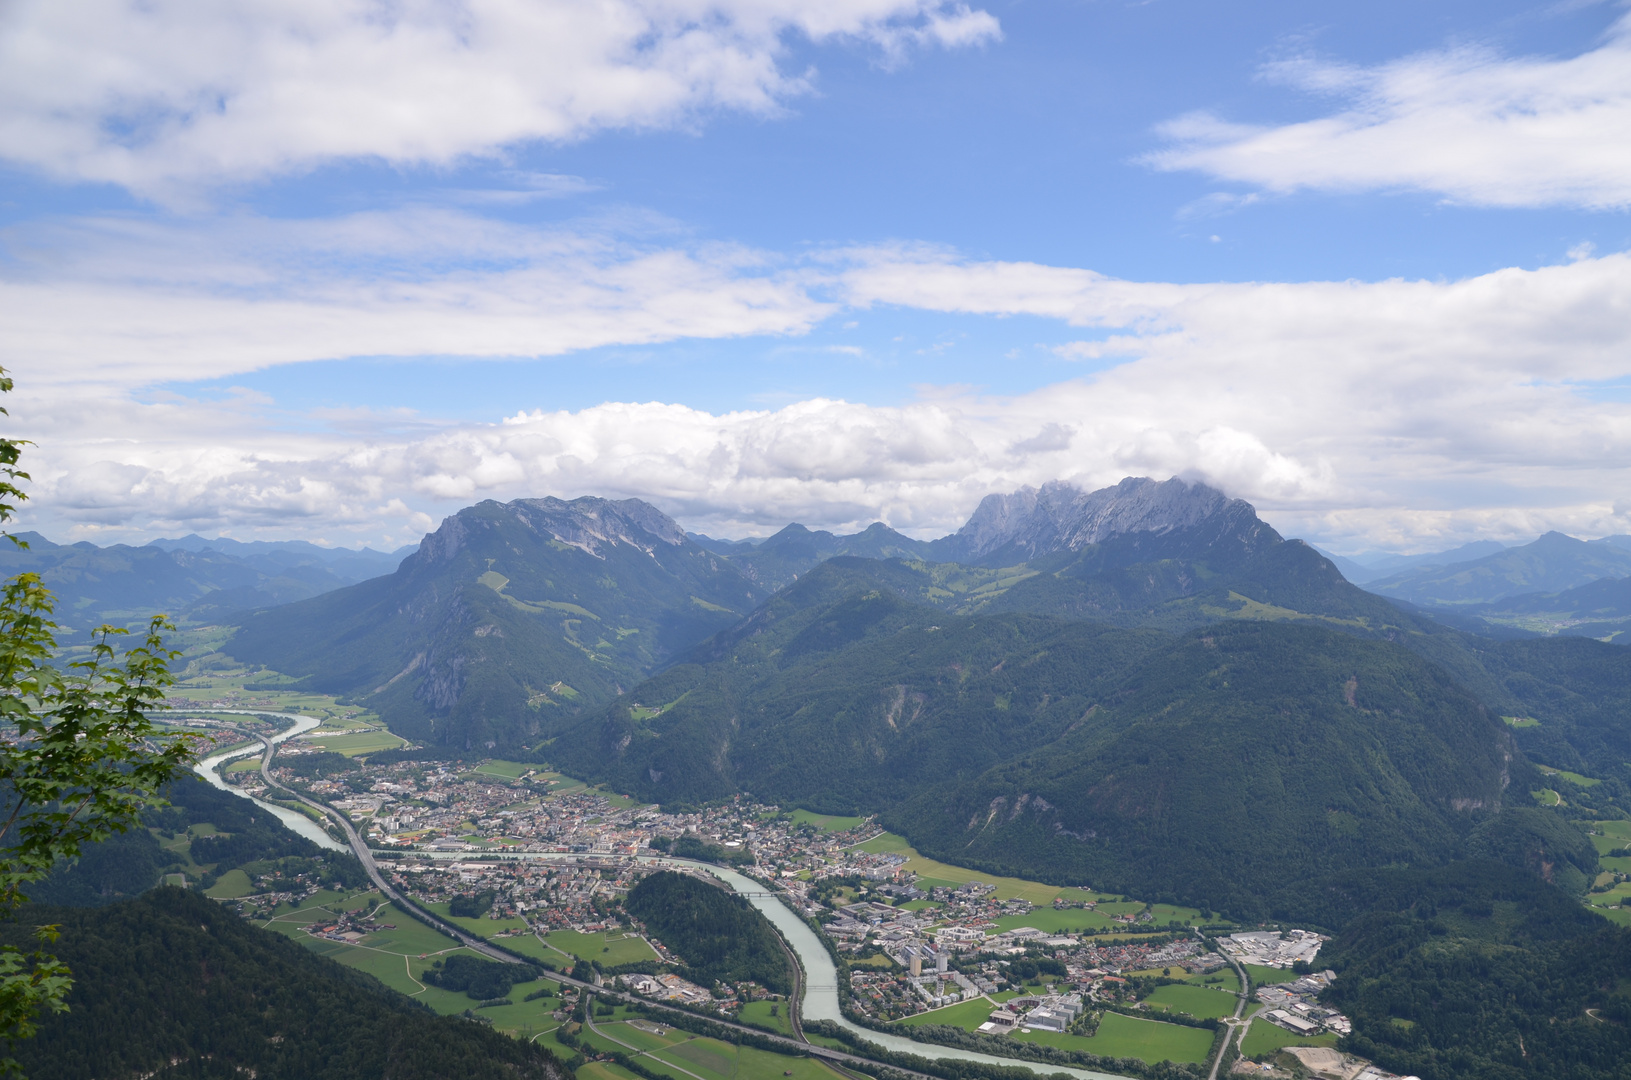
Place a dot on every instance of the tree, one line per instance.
(79, 758)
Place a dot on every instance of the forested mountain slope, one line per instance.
(1213, 766)
(508, 616)
(1239, 759)
(171, 986)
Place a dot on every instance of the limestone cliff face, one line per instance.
(1059, 517)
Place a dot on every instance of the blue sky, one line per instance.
(335, 270)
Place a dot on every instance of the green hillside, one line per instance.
(845, 697)
(171, 986)
(507, 618)
(1236, 760)
(1213, 767)
(1471, 970)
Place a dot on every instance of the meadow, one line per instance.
(1263, 1038)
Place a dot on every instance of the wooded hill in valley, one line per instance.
(716, 933)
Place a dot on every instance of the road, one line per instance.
(1236, 1028)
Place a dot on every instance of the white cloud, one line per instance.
(134, 303)
(1465, 123)
(166, 94)
(1363, 413)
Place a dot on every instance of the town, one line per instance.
(456, 838)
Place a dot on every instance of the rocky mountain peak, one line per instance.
(1059, 516)
(589, 523)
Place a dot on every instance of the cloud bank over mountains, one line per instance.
(1406, 412)
(1448, 409)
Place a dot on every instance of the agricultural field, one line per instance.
(509, 770)
(967, 1015)
(1129, 1036)
(1267, 976)
(482, 927)
(611, 949)
(825, 822)
(398, 958)
(366, 742)
(1070, 920)
(1198, 1001)
(939, 873)
(711, 1059)
(230, 886)
(757, 1013)
(1574, 778)
(1263, 1038)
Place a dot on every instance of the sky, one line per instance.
(333, 269)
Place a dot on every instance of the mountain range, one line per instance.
(190, 579)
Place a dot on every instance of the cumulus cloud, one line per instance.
(1466, 123)
(1445, 409)
(172, 93)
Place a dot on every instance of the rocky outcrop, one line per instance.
(1059, 517)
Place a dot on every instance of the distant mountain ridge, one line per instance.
(1552, 563)
(191, 579)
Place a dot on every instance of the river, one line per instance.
(298, 822)
(820, 974)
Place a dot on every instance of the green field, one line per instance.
(230, 886)
(509, 770)
(1230, 983)
(1574, 778)
(825, 822)
(967, 1015)
(367, 742)
(939, 873)
(642, 1037)
(482, 927)
(611, 949)
(604, 1070)
(757, 1013)
(1619, 915)
(1521, 721)
(711, 1059)
(1070, 920)
(1263, 1038)
(1128, 1036)
(1197, 1001)
(1267, 976)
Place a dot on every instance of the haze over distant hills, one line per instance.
(190, 578)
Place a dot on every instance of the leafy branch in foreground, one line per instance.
(79, 758)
